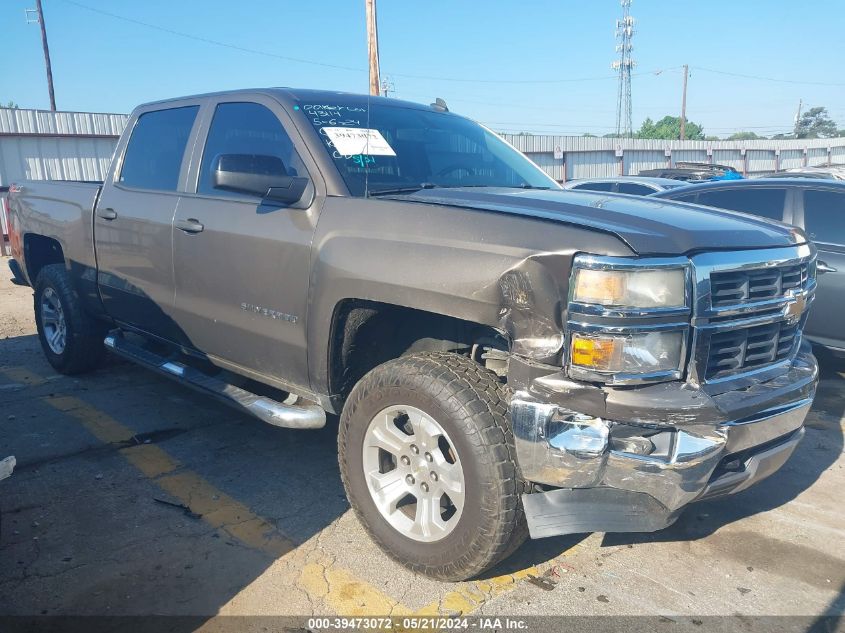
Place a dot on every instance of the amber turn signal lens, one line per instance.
(594, 352)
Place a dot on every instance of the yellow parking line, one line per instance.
(22, 375)
(347, 594)
(473, 595)
(339, 588)
(215, 507)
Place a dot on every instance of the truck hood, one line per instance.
(649, 226)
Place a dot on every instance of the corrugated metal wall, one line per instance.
(39, 145)
(592, 157)
(19, 121)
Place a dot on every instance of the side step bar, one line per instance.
(289, 416)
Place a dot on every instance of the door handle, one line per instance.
(107, 214)
(190, 225)
(821, 268)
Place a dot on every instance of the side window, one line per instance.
(634, 189)
(246, 129)
(824, 216)
(766, 203)
(687, 197)
(595, 186)
(155, 150)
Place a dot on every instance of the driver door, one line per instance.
(241, 263)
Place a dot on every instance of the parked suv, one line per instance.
(818, 207)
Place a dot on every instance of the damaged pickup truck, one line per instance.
(506, 357)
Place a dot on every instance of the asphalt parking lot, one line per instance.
(133, 495)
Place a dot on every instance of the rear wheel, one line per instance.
(425, 456)
(72, 341)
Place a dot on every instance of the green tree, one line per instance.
(669, 127)
(744, 136)
(11, 104)
(816, 123)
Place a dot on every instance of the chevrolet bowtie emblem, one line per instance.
(795, 308)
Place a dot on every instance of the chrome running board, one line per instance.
(283, 414)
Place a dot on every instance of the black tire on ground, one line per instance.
(471, 405)
(83, 350)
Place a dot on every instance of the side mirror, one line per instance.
(257, 175)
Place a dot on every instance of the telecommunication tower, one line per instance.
(623, 66)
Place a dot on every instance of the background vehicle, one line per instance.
(506, 357)
(631, 185)
(694, 172)
(835, 172)
(818, 207)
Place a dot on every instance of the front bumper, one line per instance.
(630, 459)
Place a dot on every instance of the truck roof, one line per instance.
(289, 96)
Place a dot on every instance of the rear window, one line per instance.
(766, 203)
(824, 216)
(154, 154)
(595, 186)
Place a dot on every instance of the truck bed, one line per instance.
(59, 210)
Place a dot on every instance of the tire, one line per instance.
(81, 348)
(469, 406)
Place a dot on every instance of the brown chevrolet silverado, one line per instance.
(507, 358)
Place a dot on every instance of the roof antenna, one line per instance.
(367, 153)
(440, 104)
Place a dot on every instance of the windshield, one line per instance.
(396, 147)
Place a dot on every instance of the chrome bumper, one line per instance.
(631, 476)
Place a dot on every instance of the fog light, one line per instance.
(577, 434)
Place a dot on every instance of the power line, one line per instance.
(206, 40)
(300, 60)
(783, 81)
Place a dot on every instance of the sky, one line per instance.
(540, 66)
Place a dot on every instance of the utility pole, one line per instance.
(684, 105)
(372, 47)
(40, 11)
(798, 117)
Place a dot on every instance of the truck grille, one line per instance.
(746, 286)
(746, 349)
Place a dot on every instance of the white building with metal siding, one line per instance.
(41, 145)
(593, 157)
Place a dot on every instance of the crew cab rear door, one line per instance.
(133, 218)
(241, 262)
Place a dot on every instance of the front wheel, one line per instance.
(426, 461)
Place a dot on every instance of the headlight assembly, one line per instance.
(660, 288)
(647, 353)
(628, 318)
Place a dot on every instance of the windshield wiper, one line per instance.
(527, 186)
(412, 189)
